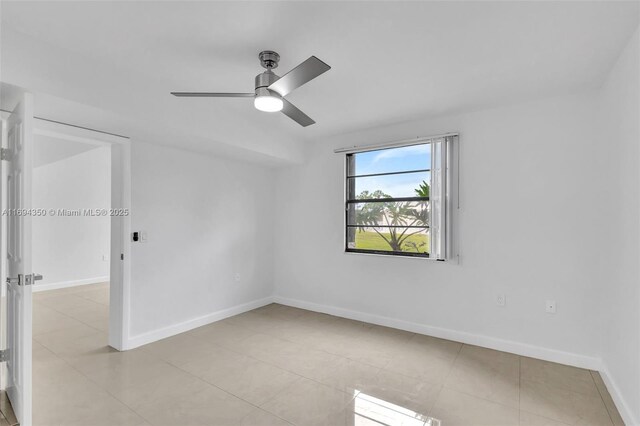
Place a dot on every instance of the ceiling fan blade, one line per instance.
(213, 95)
(295, 114)
(303, 73)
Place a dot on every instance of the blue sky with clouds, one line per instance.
(393, 160)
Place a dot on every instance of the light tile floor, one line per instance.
(7, 416)
(280, 366)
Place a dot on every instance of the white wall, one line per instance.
(206, 219)
(69, 250)
(620, 279)
(530, 178)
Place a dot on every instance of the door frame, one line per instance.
(120, 247)
(3, 260)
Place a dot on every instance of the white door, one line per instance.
(18, 160)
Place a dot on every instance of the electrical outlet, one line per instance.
(501, 300)
(550, 306)
(237, 277)
(105, 258)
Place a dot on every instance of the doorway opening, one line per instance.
(71, 198)
(80, 188)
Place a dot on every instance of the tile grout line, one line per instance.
(226, 391)
(253, 358)
(601, 397)
(69, 316)
(299, 344)
(97, 385)
(464, 392)
(132, 409)
(520, 410)
(77, 294)
(289, 371)
(234, 395)
(324, 351)
(348, 358)
(165, 362)
(482, 398)
(544, 416)
(441, 385)
(519, 389)
(75, 319)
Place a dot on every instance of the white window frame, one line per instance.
(442, 218)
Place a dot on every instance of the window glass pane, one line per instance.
(391, 240)
(403, 185)
(414, 157)
(397, 213)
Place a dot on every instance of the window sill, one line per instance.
(403, 256)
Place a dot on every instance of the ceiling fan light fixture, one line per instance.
(271, 90)
(267, 101)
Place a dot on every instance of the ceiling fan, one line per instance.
(270, 89)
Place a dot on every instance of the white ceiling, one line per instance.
(391, 61)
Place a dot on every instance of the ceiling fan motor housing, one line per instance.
(263, 81)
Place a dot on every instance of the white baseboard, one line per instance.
(65, 284)
(623, 408)
(172, 330)
(510, 346)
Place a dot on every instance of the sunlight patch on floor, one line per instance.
(369, 410)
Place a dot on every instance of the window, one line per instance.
(396, 199)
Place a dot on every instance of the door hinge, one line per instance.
(4, 355)
(5, 154)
